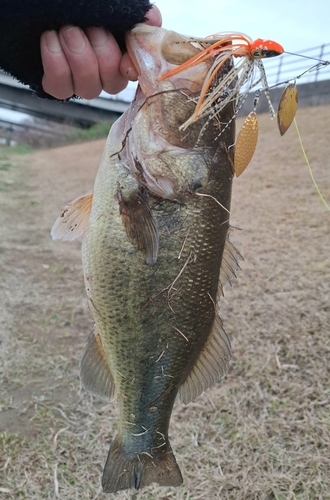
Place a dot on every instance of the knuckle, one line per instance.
(86, 90)
(57, 89)
(114, 87)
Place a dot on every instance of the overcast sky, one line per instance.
(295, 24)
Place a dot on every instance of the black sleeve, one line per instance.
(23, 21)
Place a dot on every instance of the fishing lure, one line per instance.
(287, 108)
(221, 47)
(246, 142)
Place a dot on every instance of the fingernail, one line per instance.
(97, 36)
(52, 42)
(132, 74)
(74, 39)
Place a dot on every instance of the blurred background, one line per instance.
(24, 118)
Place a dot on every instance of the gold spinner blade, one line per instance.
(287, 108)
(246, 143)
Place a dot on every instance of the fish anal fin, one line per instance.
(124, 470)
(139, 224)
(74, 219)
(211, 365)
(95, 373)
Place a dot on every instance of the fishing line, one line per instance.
(309, 166)
(307, 57)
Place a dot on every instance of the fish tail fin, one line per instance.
(124, 470)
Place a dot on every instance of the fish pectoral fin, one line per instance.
(139, 224)
(74, 219)
(211, 365)
(229, 264)
(95, 373)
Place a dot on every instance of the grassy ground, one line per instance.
(52, 134)
(264, 432)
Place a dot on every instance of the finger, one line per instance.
(108, 56)
(82, 61)
(154, 17)
(127, 68)
(57, 79)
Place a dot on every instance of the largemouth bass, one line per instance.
(156, 254)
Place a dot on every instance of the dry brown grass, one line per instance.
(264, 432)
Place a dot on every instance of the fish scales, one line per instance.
(152, 254)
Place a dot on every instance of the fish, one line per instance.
(156, 255)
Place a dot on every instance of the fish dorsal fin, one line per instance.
(95, 373)
(211, 365)
(74, 219)
(139, 224)
(229, 264)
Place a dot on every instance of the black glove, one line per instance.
(23, 21)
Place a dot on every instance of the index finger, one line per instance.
(127, 69)
(154, 17)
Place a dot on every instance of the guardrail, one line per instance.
(18, 97)
(288, 67)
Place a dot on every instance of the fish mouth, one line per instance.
(152, 161)
(143, 46)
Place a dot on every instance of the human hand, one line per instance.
(85, 62)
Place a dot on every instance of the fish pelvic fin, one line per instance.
(139, 224)
(124, 470)
(74, 219)
(95, 373)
